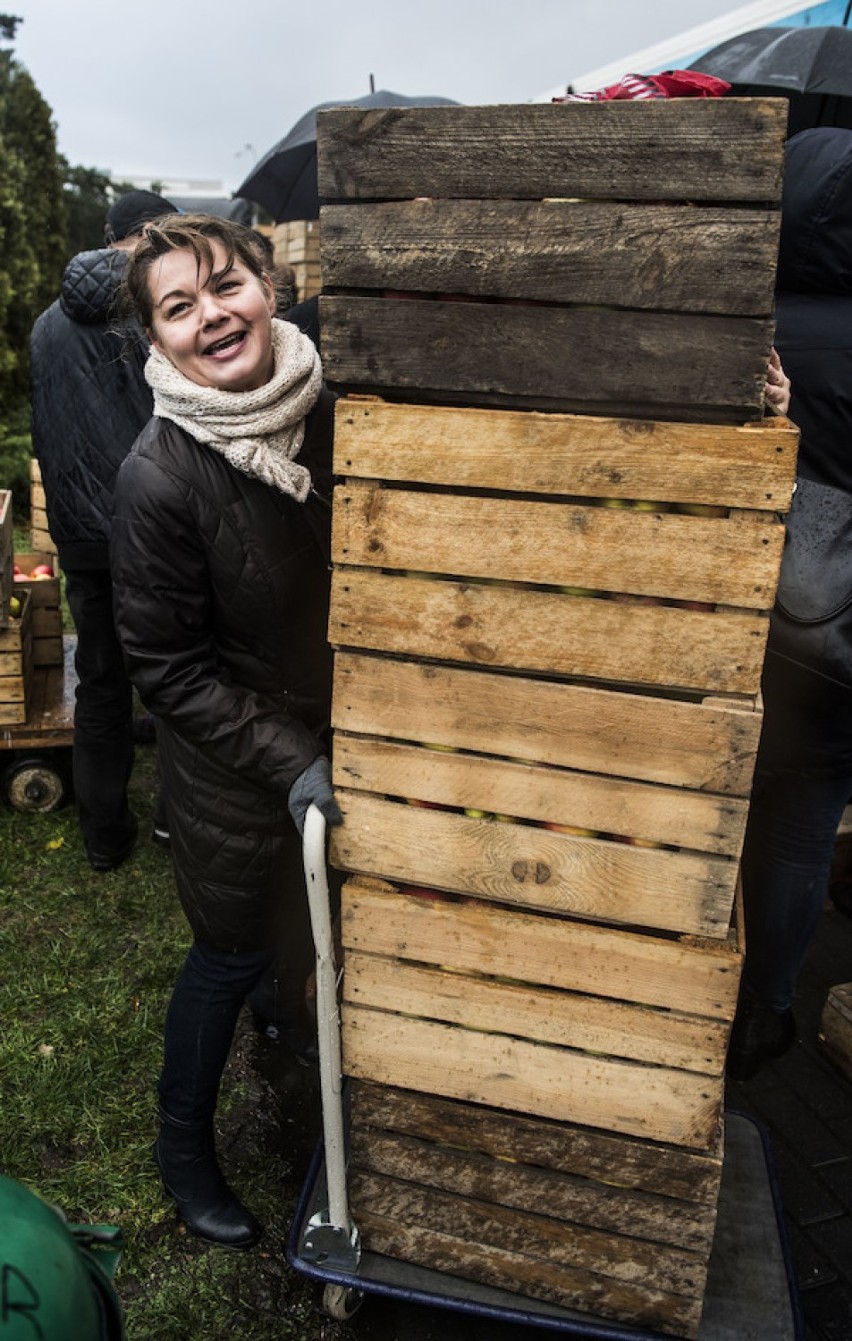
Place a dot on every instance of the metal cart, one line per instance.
(35, 774)
(751, 1290)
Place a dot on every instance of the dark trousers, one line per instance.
(785, 867)
(200, 1024)
(103, 717)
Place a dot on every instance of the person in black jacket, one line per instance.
(803, 776)
(89, 402)
(220, 552)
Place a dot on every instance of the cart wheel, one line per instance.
(34, 784)
(341, 1302)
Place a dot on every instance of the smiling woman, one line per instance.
(213, 323)
(220, 566)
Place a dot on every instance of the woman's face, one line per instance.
(215, 326)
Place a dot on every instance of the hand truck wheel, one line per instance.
(341, 1302)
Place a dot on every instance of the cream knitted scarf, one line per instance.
(259, 432)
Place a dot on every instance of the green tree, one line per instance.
(88, 195)
(32, 222)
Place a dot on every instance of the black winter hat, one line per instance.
(129, 212)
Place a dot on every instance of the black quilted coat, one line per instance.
(221, 599)
(89, 400)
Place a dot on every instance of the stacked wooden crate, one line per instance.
(40, 537)
(45, 602)
(549, 630)
(16, 648)
(297, 243)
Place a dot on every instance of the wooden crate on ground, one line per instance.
(6, 560)
(46, 602)
(16, 665)
(835, 1032)
(612, 258)
(579, 1218)
(40, 537)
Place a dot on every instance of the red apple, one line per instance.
(569, 829)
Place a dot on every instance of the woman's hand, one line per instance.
(777, 389)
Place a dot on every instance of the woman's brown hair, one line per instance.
(184, 232)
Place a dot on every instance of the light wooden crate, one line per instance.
(40, 537)
(605, 1027)
(589, 673)
(45, 599)
(835, 1032)
(16, 665)
(579, 1218)
(6, 560)
(297, 243)
(612, 258)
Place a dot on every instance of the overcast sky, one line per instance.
(201, 88)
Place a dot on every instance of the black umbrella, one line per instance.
(284, 182)
(811, 66)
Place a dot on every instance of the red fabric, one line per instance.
(670, 84)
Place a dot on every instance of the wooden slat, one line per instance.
(601, 805)
(655, 554)
(715, 149)
(699, 977)
(570, 726)
(676, 259)
(547, 633)
(617, 1211)
(532, 867)
(656, 1102)
(602, 1157)
(564, 1019)
(415, 1240)
(576, 359)
(527, 452)
(533, 1230)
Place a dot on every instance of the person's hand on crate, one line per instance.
(777, 390)
(313, 787)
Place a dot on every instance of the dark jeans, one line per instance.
(200, 1024)
(786, 864)
(103, 716)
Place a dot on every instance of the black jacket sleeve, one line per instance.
(164, 617)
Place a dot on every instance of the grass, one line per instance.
(87, 962)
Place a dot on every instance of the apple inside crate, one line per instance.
(37, 572)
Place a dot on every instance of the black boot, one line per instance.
(185, 1154)
(759, 1035)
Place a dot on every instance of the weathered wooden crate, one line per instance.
(835, 1032)
(579, 1218)
(606, 1027)
(612, 258)
(6, 560)
(40, 537)
(589, 673)
(46, 602)
(16, 664)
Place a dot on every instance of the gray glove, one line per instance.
(313, 787)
